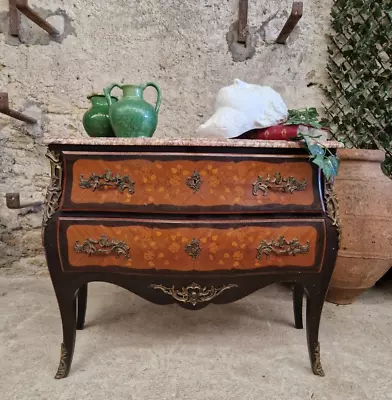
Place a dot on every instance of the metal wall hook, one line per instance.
(14, 18)
(13, 202)
(243, 21)
(5, 109)
(24, 8)
(291, 23)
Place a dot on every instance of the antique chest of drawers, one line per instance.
(191, 222)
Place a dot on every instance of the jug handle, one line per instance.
(107, 92)
(159, 96)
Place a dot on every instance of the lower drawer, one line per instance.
(191, 245)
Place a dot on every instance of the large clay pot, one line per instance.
(96, 120)
(132, 116)
(365, 204)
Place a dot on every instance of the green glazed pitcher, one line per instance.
(96, 120)
(132, 116)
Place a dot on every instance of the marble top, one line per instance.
(187, 142)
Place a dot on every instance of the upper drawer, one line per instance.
(208, 183)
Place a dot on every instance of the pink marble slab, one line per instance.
(187, 142)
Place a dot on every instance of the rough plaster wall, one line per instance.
(181, 45)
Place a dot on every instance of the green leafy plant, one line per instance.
(360, 70)
(304, 116)
(319, 154)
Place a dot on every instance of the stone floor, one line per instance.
(132, 349)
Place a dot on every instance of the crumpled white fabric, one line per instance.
(242, 107)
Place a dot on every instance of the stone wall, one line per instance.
(181, 45)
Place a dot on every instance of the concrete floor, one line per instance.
(132, 349)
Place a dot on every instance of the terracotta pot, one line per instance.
(365, 204)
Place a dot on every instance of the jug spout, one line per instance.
(132, 91)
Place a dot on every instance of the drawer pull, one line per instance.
(94, 181)
(278, 183)
(281, 247)
(193, 249)
(194, 181)
(103, 246)
(193, 293)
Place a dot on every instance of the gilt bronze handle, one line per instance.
(193, 293)
(278, 183)
(104, 245)
(95, 182)
(281, 247)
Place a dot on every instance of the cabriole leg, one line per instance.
(298, 295)
(82, 305)
(314, 307)
(67, 305)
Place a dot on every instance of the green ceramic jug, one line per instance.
(132, 116)
(96, 120)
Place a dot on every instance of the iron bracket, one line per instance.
(14, 18)
(243, 21)
(291, 23)
(24, 8)
(5, 109)
(13, 202)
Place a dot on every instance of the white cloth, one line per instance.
(242, 107)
